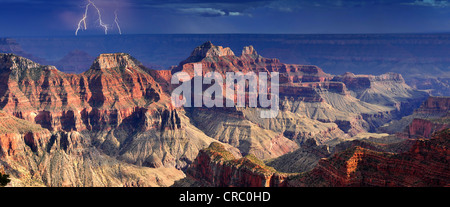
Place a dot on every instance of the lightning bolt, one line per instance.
(100, 18)
(116, 19)
(83, 20)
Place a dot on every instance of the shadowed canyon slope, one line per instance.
(425, 164)
(34, 156)
(430, 117)
(114, 124)
(314, 104)
(116, 109)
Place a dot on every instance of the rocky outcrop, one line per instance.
(353, 82)
(119, 114)
(425, 164)
(430, 117)
(426, 127)
(17, 134)
(222, 60)
(235, 127)
(99, 98)
(422, 59)
(117, 104)
(356, 103)
(435, 105)
(214, 166)
(34, 156)
(301, 160)
(208, 50)
(388, 89)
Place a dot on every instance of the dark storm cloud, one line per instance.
(208, 12)
(37, 2)
(43, 17)
(225, 7)
(239, 7)
(204, 8)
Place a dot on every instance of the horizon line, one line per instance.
(150, 34)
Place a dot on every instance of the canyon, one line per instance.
(422, 59)
(424, 165)
(114, 125)
(432, 116)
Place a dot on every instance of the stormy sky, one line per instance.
(61, 17)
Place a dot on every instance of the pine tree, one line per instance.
(4, 180)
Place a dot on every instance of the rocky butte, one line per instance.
(425, 164)
(430, 117)
(113, 117)
(114, 125)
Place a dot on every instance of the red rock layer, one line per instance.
(222, 60)
(306, 83)
(426, 164)
(16, 134)
(361, 82)
(425, 128)
(437, 110)
(433, 105)
(214, 166)
(114, 88)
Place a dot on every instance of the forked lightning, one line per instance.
(82, 23)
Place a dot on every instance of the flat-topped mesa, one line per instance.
(116, 61)
(354, 82)
(357, 82)
(390, 76)
(435, 105)
(432, 116)
(119, 80)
